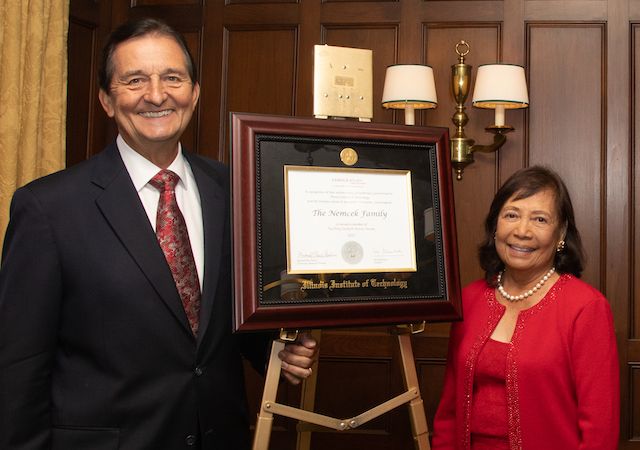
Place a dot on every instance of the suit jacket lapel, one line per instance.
(121, 207)
(214, 214)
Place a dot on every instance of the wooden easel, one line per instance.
(269, 407)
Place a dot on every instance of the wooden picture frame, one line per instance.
(266, 296)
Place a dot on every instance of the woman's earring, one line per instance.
(560, 246)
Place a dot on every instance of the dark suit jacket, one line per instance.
(95, 348)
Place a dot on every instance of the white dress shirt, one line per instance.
(141, 171)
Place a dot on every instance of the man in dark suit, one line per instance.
(99, 347)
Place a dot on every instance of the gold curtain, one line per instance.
(33, 93)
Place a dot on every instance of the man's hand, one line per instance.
(297, 358)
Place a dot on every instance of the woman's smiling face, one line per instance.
(527, 233)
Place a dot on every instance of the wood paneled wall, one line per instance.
(582, 60)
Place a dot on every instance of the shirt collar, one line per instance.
(141, 170)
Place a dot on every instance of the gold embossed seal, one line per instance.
(348, 156)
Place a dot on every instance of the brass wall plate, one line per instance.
(342, 82)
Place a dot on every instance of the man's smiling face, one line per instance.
(151, 96)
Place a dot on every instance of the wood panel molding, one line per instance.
(634, 404)
(567, 90)
(82, 37)
(258, 2)
(139, 3)
(634, 238)
(431, 375)
(631, 402)
(550, 10)
(264, 82)
(88, 128)
(184, 16)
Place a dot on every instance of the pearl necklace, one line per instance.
(529, 293)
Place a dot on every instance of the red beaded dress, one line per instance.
(489, 428)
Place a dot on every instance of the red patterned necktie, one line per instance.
(171, 230)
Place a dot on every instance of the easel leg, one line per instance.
(419, 425)
(307, 400)
(265, 418)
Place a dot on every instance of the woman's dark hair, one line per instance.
(134, 29)
(523, 184)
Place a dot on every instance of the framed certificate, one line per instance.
(341, 223)
(335, 218)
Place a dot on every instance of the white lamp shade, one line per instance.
(409, 85)
(501, 85)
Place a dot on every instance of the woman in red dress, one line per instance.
(534, 363)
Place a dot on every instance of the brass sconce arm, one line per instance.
(462, 149)
(499, 138)
(498, 141)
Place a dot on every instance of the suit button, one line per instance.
(190, 440)
(198, 371)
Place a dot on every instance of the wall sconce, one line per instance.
(409, 87)
(499, 87)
